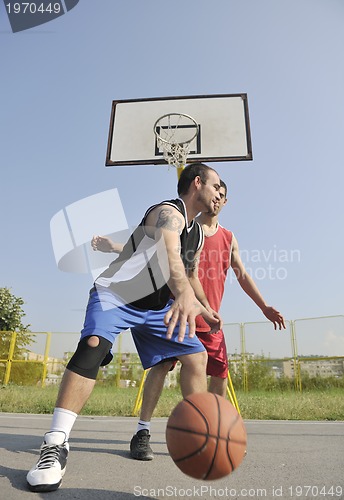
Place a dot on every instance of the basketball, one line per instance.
(206, 437)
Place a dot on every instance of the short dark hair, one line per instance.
(224, 186)
(188, 175)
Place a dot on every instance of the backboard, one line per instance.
(223, 129)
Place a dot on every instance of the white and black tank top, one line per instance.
(139, 275)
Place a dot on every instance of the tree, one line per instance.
(11, 316)
(259, 374)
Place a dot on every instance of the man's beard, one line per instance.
(208, 206)
(213, 212)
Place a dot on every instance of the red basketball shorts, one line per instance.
(215, 346)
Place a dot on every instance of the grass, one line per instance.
(261, 405)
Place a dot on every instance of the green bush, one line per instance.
(26, 373)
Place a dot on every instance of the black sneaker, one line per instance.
(47, 474)
(139, 446)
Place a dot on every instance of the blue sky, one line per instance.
(285, 207)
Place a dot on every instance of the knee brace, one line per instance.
(86, 360)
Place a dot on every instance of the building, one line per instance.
(316, 367)
(54, 365)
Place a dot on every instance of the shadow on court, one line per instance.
(284, 460)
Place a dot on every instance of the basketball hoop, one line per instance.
(175, 133)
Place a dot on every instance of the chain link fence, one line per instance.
(259, 356)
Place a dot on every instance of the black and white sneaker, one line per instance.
(47, 474)
(139, 446)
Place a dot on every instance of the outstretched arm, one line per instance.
(250, 288)
(105, 244)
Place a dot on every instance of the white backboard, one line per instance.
(223, 120)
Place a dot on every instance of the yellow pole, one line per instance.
(180, 170)
(138, 400)
(10, 358)
(297, 370)
(298, 360)
(45, 359)
(231, 393)
(243, 358)
(119, 361)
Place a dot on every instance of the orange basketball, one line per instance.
(206, 436)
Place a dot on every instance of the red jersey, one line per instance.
(215, 260)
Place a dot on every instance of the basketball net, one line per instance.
(168, 130)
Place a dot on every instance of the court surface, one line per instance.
(285, 460)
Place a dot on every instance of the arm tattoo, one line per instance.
(194, 264)
(168, 220)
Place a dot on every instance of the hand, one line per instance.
(213, 319)
(102, 243)
(184, 310)
(275, 317)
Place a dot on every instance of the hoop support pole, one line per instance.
(180, 170)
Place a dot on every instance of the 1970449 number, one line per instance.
(315, 491)
(33, 8)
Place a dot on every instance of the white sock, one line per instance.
(63, 421)
(143, 425)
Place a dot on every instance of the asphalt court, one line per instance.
(285, 459)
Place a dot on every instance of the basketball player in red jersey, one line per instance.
(219, 253)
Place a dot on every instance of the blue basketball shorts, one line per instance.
(107, 316)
